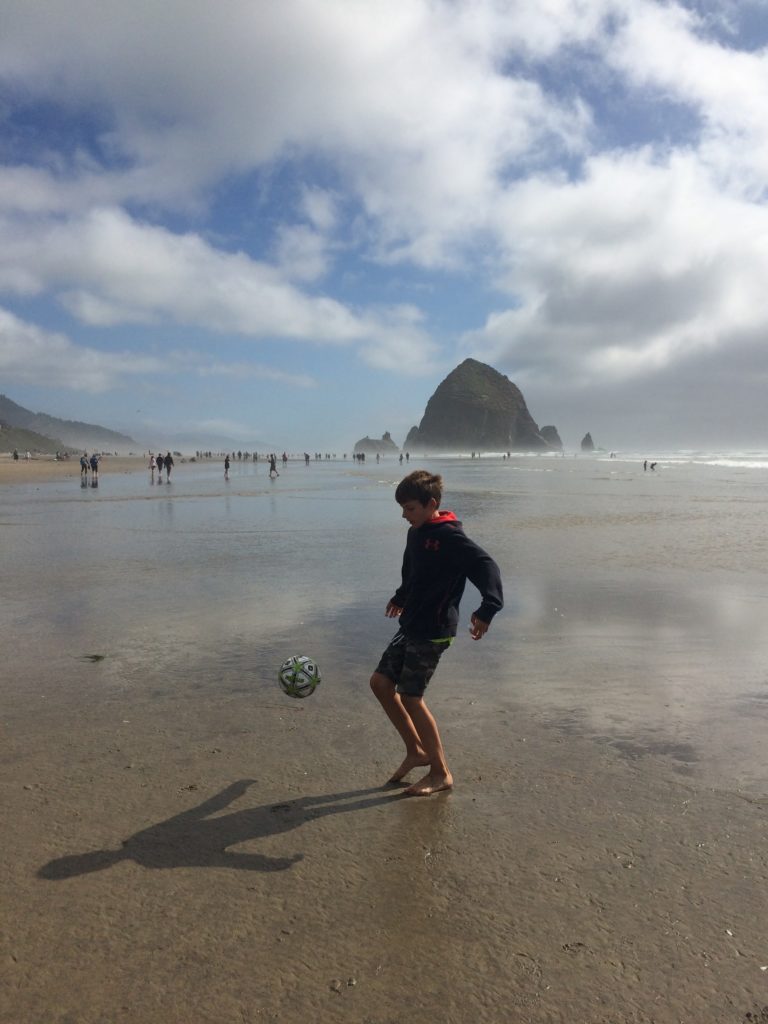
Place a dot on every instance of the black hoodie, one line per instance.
(439, 558)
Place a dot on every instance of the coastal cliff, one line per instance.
(60, 432)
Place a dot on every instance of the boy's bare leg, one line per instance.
(390, 700)
(439, 777)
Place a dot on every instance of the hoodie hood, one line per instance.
(443, 516)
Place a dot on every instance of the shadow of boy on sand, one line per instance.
(194, 839)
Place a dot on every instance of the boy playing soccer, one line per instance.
(439, 558)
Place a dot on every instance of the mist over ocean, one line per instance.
(636, 600)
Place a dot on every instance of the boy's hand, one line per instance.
(478, 629)
(393, 611)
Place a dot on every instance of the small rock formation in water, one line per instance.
(587, 444)
(476, 408)
(552, 437)
(371, 446)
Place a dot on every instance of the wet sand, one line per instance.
(202, 857)
(182, 844)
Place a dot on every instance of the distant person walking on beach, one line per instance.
(84, 466)
(168, 466)
(159, 460)
(15, 455)
(273, 466)
(439, 559)
(94, 468)
(226, 467)
(152, 466)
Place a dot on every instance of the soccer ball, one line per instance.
(299, 676)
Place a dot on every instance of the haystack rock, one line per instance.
(476, 408)
(587, 444)
(370, 446)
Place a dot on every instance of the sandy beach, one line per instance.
(181, 843)
(42, 467)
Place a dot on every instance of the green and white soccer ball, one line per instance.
(299, 676)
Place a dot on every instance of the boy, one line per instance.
(439, 558)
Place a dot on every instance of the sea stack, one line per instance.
(372, 446)
(552, 437)
(476, 408)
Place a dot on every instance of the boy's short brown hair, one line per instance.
(420, 486)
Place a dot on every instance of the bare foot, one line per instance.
(411, 761)
(430, 784)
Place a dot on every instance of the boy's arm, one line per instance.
(396, 603)
(484, 573)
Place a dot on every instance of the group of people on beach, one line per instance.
(91, 464)
(272, 458)
(160, 462)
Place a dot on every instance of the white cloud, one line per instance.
(256, 372)
(302, 253)
(625, 273)
(320, 207)
(31, 355)
(663, 47)
(128, 272)
(134, 272)
(399, 343)
(409, 101)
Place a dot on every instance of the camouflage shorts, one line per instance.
(410, 664)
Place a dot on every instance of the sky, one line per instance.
(284, 223)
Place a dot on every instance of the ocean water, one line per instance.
(636, 600)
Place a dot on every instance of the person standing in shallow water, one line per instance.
(168, 467)
(439, 558)
(226, 467)
(159, 460)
